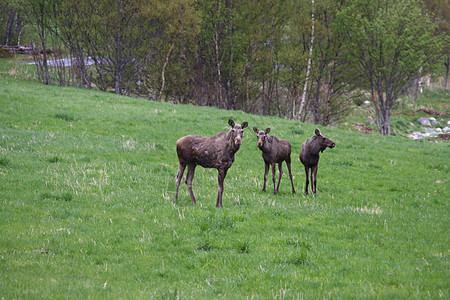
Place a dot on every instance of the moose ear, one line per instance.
(243, 125)
(255, 130)
(318, 131)
(267, 130)
(231, 123)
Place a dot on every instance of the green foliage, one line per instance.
(388, 42)
(388, 35)
(248, 55)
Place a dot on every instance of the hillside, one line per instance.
(87, 182)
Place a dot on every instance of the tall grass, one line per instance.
(87, 183)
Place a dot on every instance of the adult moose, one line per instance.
(209, 152)
(274, 151)
(309, 156)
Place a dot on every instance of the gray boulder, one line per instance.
(424, 121)
(434, 121)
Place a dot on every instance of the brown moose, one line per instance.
(309, 156)
(209, 152)
(274, 151)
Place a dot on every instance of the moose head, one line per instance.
(236, 131)
(262, 136)
(323, 141)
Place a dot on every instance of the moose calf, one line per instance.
(309, 156)
(209, 152)
(274, 151)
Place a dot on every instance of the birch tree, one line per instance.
(308, 68)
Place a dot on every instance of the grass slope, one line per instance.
(87, 182)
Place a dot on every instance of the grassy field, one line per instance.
(87, 183)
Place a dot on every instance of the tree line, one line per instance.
(296, 59)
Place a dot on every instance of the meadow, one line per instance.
(87, 182)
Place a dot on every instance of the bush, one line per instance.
(4, 53)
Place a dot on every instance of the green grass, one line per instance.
(87, 182)
(436, 99)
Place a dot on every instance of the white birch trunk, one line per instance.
(163, 72)
(308, 69)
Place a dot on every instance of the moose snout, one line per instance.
(333, 145)
(238, 141)
(260, 143)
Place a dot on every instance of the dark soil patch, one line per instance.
(434, 112)
(362, 128)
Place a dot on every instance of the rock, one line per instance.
(434, 121)
(424, 121)
(416, 135)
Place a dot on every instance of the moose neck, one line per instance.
(266, 146)
(315, 146)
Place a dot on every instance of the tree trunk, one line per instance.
(219, 73)
(20, 30)
(415, 92)
(383, 111)
(99, 68)
(308, 69)
(377, 107)
(316, 102)
(46, 76)
(163, 78)
(386, 126)
(172, 46)
(294, 97)
(330, 91)
(419, 82)
(118, 82)
(12, 19)
(447, 69)
(229, 85)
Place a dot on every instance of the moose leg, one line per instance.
(221, 178)
(265, 176)
(178, 179)
(307, 179)
(275, 192)
(288, 162)
(189, 178)
(314, 179)
(280, 168)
